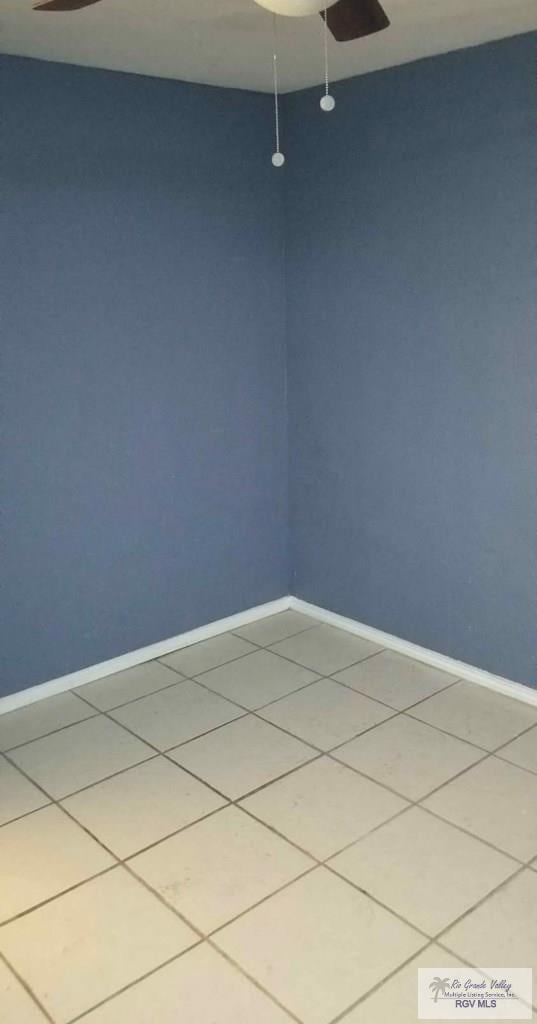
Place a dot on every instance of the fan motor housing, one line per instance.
(294, 8)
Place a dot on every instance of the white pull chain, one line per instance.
(278, 158)
(327, 101)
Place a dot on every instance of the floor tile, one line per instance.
(326, 714)
(396, 1002)
(523, 751)
(198, 658)
(325, 649)
(18, 796)
(42, 855)
(323, 806)
(125, 686)
(242, 756)
(177, 714)
(219, 867)
(17, 1006)
(81, 948)
(476, 714)
(206, 988)
(395, 679)
(80, 755)
(276, 627)
(424, 869)
(257, 679)
(318, 945)
(142, 805)
(503, 930)
(496, 801)
(38, 719)
(409, 756)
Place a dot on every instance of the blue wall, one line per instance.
(412, 356)
(144, 370)
(144, 366)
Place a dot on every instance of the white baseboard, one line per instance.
(394, 643)
(441, 661)
(138, 657)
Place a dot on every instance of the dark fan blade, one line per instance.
(352, 19)
(64, 5)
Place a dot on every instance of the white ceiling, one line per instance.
(230, 42)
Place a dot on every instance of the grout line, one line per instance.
(131, 984)
(201, 935)
(502, 746)
(416, 927)
(510, 856)
(472, 743)
(123, 862)
(167, 750)
(475, 906)
(269, 649)
(324, 675)
(154, 892)
(53, 732)
(178, 678)
(413, 802)
(126, 859)
(118, 863)
(348, 1009)
(104, 711)
(50, 899)
(20, 817)
(166, 753)
(57, 799)
(324, 863)
(497, 752)
(256, 712)
(341, 1016)
(229, 661)
(262, 647)
(395, 712)
(320, 864)
(243, 913)
(196, 679)
(252, 711)
(314, 866)
(107, 778)
(400, 711)
(254, 981)
(26, 987)
(320, 752)
(446, 732)
(178, 956)
(209, 936)
(252, 792)
(236, 803)
(469, 963)
(521, 767)
(330, 751)
(419, 802)
(488, 754)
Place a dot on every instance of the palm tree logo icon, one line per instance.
(439, 986)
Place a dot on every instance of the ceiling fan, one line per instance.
(345, 19)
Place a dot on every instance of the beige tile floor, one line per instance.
(276, 825)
